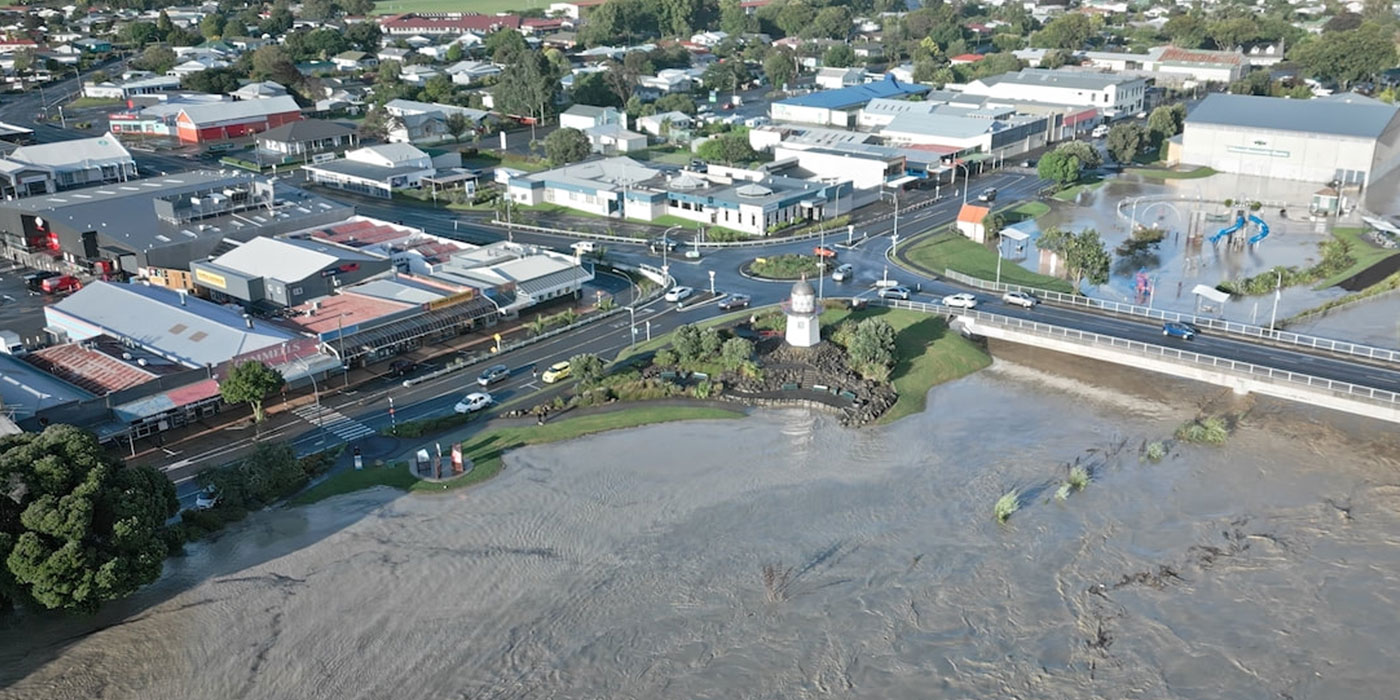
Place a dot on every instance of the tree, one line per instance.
(1059, 167)
(1228, 34)
(1057, 58)
(439, 88)
(1084, 254)
(839, 56)
(735, 352)
(454, 53)
(871, 348)
(215, 81)
(587, 367)
(456, 124)
(566, 145)
(139, 34)
(778, 65)
(592, 89)
(1186, 31)
(504, 46)
(1068, 31)
(212, 26)
(793, 17)
(1347, 57)
(250, 382)
(317, 9)
(676, 102)
(1125, 140)
(365, 36)
(1086, 153)
(831, 22)
(157, 59)
(710, 343)
(23, 60)
(163, 25)
(271, 62)
(528, 88)
(686, 341)
(728, 148)
(278, 21)
(728, 75)
(1165, 122)
(620, 79)
(734, 20)
(1343, 22)
(992, 224)
(77, 527)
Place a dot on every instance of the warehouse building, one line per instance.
(270, 273)
(1112, 94)
(1346, 140)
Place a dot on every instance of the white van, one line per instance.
(1101, 131)
(584, 247)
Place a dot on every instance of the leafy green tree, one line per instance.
(566, 145)
(439, 88)
(992, 224)
(871, 348)
(1347, 57)
(317, 9)
(676, 102)
(364, 36)
(733, 20)
(1068, 31)
(587, 367)
(278, 21)
(780, 68)
(454, 53)
(1125, 140)
(622, 22)
(830, 22)
(735, 352)
(1165, 122)
(839, 56)
(163, 25)
(1343, 22)
(157, 59)
(271, 62)
(1228, 34)
(250, 382)
(23, 60)
(1085, 152)
(212, 26)
(528, 88)
(504, 45)
(710, 343)
(728, 75)
(215, 81)
(686, 341)
(1057, 58)
(592, 89)
(730, 148)
(793, 17)
(1084, 253)
(357, 7)
(1186, 31)
(1059, 167)
(77, 527)
(139, 34)
(456, 124)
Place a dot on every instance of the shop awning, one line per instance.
(167, 401)
(427, 323)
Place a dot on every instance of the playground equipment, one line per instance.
(1142, 287)
(1240, 223)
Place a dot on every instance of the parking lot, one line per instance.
(20, 310)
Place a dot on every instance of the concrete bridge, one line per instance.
(1356, 386)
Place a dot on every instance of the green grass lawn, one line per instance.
(1026, 210)
(1069, 194)
(395, 7)
(1164, 174)
(789, 266)
(926, 353)
(669, 220)
(951, 250)
(84, 102)
(487, 449)
(1365, 252)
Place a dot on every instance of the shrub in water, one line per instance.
(1156, 451)
(1009, 503)
(1078, 478)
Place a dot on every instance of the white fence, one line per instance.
(1281, 337)
(1354, 391)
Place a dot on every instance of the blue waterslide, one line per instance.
(1239, 224)
(1263, 229)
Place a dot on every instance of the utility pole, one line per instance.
(1278, 292)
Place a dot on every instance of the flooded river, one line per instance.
(782, 556)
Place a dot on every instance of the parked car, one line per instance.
(584, 247)
(657, 244)
(678, 294)
(558, 371)
(901, 293)
(988, 195)
(473, 402)
(734, 301)
(961, 300)
(1100, 131)
(699, 166)
(1022, 299)
(844, 273)
(1176, 329)
(399, 368)
(62, 284)
(208, 498)
(1028, 163)
(493, 374)
(34, 281)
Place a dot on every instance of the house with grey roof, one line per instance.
(300, 140)
(960, 132)
(1112, 94)
(583, 117)
(1346, 141)
(375, 170)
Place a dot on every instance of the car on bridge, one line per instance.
(961, 300)
(734, 301)
(557, 372)
(473, 402)
(1025, 300)
(901, 293)
(1177, 329)
(679, 294)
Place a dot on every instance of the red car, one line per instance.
(63, 284)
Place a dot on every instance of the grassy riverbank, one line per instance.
(487, 448)
(927, 354)
(951, 250)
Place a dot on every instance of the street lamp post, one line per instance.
(967, 175)
(1278, 292)
(999, 242)
(712, 282)
(632, 311)
(894, 237)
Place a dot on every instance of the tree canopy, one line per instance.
(250, 382)
(730, 148)
(1126, 140)
(1084, 253)
(77, 527)
(566, 145)
(1347, 57)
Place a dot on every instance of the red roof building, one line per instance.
(218, 121)
(965, 58)
(447, 23)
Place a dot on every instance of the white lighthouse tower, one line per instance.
(803, 327)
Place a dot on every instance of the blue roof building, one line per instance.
(838, 107)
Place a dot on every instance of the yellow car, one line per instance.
(556, 372)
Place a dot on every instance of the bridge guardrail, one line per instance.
(1347, 389)
(1341, 347)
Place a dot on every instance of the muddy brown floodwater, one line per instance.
(782, 556)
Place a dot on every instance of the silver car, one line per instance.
(493, 374)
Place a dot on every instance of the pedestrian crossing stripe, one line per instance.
(333, 421)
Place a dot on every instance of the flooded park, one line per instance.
(782, 556)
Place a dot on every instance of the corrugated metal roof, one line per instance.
(1323, 117)
(856, 94)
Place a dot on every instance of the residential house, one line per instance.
(836, 78)
(445, 23)
(709, 39)
(666, 125)
(426, 122)
(196, 66)
(301, 140)
(354, 60)
(614, 138)
(375, 170)
(393, 54)
(970, 222)
(668, 81)
(259, 91)
(584, 117)
(472, 72)
(416, 74)
(127, 87)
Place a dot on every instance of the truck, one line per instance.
(10, 343)
(62, 284)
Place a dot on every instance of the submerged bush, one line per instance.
(1009, 503)
(1156, 451)
(1210, 430)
